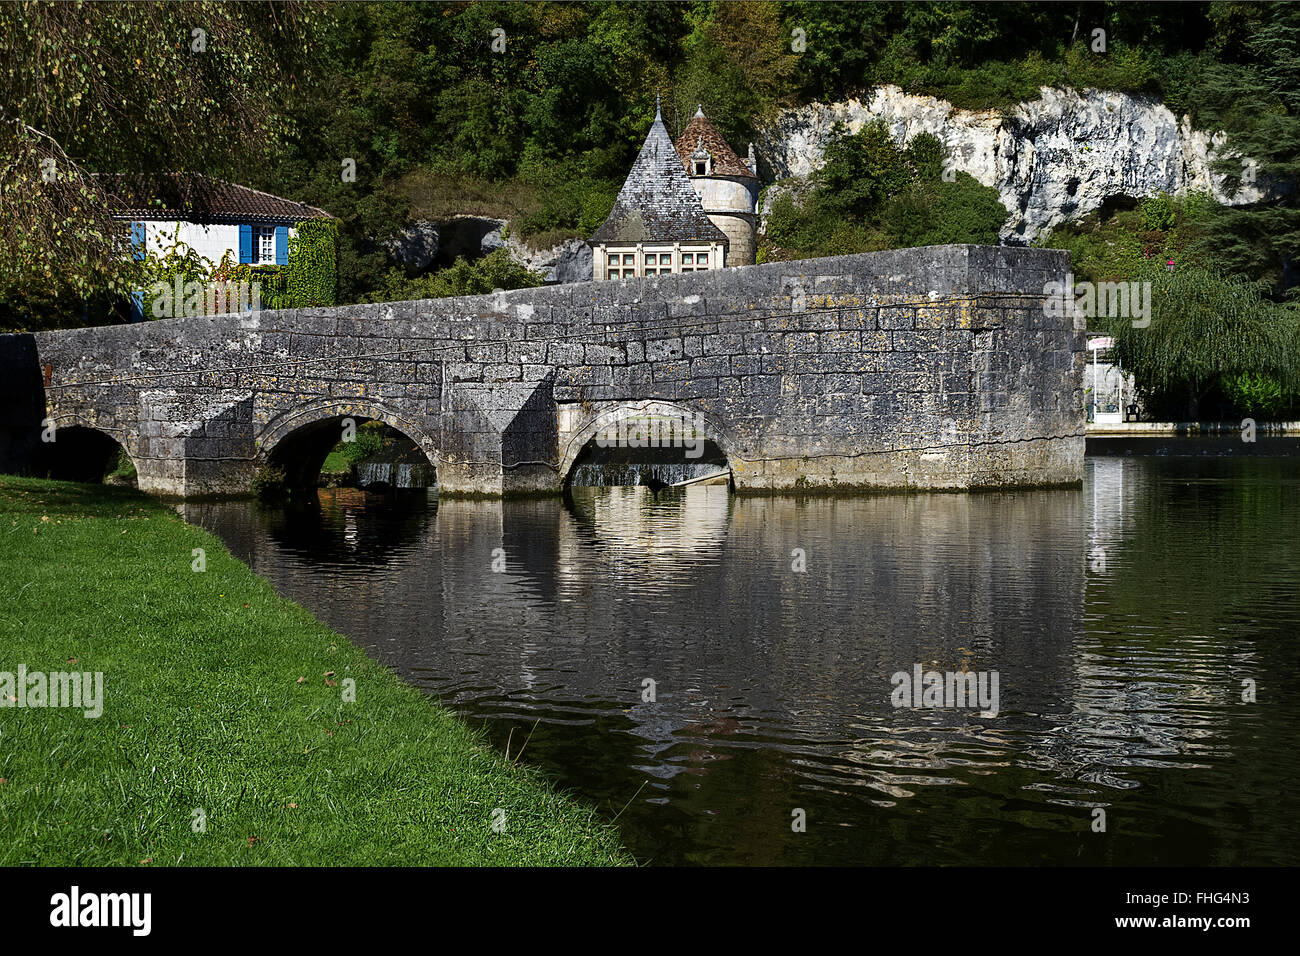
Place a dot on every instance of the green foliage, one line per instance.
(863, 170)
(311, 276)
(270, 482)
(1257, 103)
(1206, 328)
(369, 442)
(574, 204)
(1257, 395)
(934, 212)
(873, 194)
(122, 468)
(738, 63)
(497, 270)
(178, 261)
(1117, 244)
(1158, 212)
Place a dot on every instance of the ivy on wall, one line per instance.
(311, 276)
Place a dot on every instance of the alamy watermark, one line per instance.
(31, 689)
(935, 690)
(75, 908)
(656, 431)
(190, 300)
(1115, 300)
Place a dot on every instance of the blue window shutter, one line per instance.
(137, 306)
(245, 243)
(281, 245)
(137, 239)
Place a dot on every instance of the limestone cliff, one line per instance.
(1051, 160)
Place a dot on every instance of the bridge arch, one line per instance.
(608, 420)
(83, 449)
(300, 438)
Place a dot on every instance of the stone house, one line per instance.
(685, 207)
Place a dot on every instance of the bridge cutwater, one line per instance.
(930, 368)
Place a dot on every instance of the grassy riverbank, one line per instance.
(223, 702)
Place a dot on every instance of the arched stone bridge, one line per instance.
(917, 368)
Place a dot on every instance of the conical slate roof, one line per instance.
(657, 202)
(725, 160)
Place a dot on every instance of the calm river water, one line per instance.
(1121, 619)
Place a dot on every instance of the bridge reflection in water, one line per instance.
(1118, 679)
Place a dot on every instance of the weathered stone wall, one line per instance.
(917, 368)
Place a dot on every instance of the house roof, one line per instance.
(657, 202)
(194, 197)
(725, 160)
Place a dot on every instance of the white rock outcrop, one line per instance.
(569, 261)
(1051, 160)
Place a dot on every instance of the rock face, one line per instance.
(1051, 160)
(425, 244)
(570, 261)
(416, 246)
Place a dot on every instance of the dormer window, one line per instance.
(701, 159)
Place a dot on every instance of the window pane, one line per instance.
(613, 260)
(629, 258)
(702, 259)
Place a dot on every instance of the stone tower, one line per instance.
(726, 184)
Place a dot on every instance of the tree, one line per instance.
(1205, 327)
(120, 87)
(863, 170)
(738, 64)
(1258, 105)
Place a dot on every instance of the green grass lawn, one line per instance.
(222, 698)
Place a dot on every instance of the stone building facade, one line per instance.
(658, 225)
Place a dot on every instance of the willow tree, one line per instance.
(1203, 328)
(120, 87)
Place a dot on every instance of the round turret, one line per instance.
(726, 184)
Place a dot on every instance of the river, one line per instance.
(715, 672)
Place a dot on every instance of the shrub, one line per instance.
(1256, 394)
(1157, 212)
(270, 482)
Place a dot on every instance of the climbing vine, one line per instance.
(313, 263)
(179, 267)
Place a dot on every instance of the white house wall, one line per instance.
(209, 241)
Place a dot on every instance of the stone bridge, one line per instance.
(933, 368)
